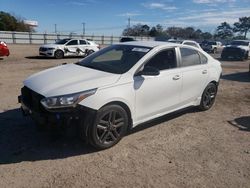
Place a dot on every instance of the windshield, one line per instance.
(62, 41)
(116, 59)
(239, 43)
(176, 41)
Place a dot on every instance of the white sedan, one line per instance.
(69, 47)
(121, 86)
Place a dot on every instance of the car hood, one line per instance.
(238, 46)
(67, 79)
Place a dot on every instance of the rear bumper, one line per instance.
(233, 54)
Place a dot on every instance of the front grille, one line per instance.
(32, 99)
(43, 49)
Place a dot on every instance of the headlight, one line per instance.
(3, 43)
(64, 101)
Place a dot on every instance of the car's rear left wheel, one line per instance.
(208, 97)
(109, 127)
(90, 52)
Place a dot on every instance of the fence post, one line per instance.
(111, 39)
(14, 37)
(30, 37)
(102, 39)
(44, 38)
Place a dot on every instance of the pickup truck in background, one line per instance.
(212, 46)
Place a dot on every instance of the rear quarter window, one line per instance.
(203, 58)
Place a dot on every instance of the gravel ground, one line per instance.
(185, 149)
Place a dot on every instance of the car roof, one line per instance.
(189, 41)
(151, 44)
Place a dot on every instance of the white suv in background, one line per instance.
(121, 86)
(69, 47)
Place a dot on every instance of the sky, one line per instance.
(110, 17)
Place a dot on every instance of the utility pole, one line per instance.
(129, 22)
(83, 28)
(55, 28)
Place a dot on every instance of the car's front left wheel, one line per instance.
(109, 127)
(59, 54)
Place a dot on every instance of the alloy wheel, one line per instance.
(109, 128)
(209, 96)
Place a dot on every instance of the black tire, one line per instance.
(214, 50)
(109, 127)
(208, 97)
(59, 54)
(90, 52)
(246, 56)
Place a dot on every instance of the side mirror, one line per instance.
(149, 71)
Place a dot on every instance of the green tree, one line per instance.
(175, 32)
(9, 22)
(188, 33)
(137, 30)
(224, 31)
(145, 30)
(206, 36)
(157, 31)
(242, 26)
(153, 32)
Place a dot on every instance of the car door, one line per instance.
(156, 95)
(194, 74)
(83, 46)
(72, 48)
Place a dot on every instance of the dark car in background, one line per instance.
(127, 39)
(4, 50)
(238, 49)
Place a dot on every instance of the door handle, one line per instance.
(204, 72)
(176, 77)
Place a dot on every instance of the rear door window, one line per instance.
(73, 42)
(83, 42)
(189, 57)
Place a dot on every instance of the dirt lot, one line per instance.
(187, 149)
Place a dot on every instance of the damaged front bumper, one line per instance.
(68, 118)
